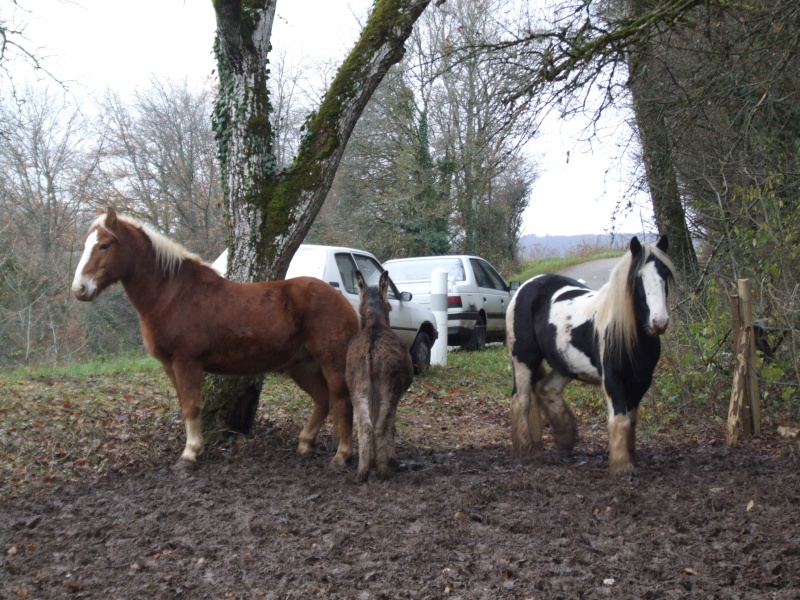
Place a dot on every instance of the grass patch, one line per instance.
(132, 363)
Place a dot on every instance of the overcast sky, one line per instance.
(120, 44)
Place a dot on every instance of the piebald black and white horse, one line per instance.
(608, 337)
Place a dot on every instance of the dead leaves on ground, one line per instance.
(60, 428)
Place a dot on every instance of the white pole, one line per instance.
(439, 310)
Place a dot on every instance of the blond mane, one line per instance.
(169, 255)
(615, 319)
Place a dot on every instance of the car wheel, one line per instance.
(477, 340)
(421, 353)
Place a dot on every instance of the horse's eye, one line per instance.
(104, 247)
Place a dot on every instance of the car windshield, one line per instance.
(419, 270)
(307, 261)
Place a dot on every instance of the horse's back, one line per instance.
(250, 328)
(544, 308)
(531, 304)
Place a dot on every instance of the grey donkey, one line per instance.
(379, 371)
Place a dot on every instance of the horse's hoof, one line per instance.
(362, 476)
(306, 450)
(565, 440)
(185, 466)
(338, 463)
(524, 455)
(621, 470)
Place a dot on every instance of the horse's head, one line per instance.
(652, 271)
(374, 300)
(100, 264)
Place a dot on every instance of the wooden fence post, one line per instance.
(739, 411)
(746, 312)
(736, 321)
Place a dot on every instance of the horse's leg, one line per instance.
(309, 378)
(526, 420)
(393, 464)
(364, 427)
(188, 380)
(634, 416)
(621, 432)
(342, 413)
(549, 391)
(384, 430)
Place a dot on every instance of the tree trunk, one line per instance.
(270, 211)
(657, 152)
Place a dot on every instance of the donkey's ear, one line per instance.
(383, 284)
(663, 243)
(111, 216)
(636, 246)
(362, 285)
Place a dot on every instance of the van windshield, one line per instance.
(421, 269)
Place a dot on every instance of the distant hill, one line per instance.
(534, 246)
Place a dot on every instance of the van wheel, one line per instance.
(477, 340)
(421, 353)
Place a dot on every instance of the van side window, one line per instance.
(347, 269)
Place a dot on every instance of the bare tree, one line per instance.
(424, 172)
(159, 157)
(44, 174)
(472, 124)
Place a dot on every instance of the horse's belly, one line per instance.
(253, 362)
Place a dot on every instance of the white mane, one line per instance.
(615, 319)
(169, 255)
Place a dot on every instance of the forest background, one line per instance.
(436, 162)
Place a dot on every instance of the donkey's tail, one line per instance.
(374, 400)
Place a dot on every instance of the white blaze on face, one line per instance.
(82, 285)
(655, 294)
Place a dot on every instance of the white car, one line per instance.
(337, 265)
(477, 296)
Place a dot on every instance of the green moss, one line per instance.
(230, 404)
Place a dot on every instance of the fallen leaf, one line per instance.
(690, 571)
(12, 551)
(461, 516)
(750, 506)
(609, 581)
(788, 431)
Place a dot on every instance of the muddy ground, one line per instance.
(698, 520)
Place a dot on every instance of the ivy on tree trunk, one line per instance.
(271, 211)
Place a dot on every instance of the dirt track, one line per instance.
(697, 521)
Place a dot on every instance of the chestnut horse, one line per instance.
(193, 320)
